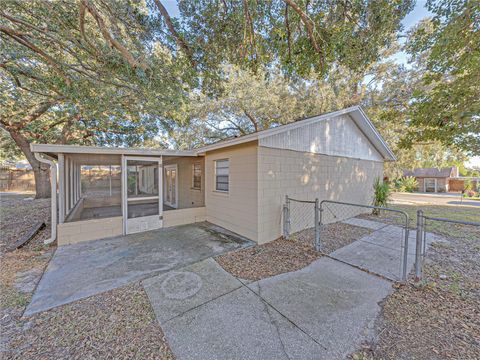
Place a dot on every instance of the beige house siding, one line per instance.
(308, 176)
(337, 136)
(85, 230)
(187, 196)
(183, 216)
(236, 210)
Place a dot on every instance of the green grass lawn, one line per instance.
(463, 213)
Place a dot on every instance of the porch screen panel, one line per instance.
(222, 170)
(142, 188)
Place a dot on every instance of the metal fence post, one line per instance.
(317, 225)
(287, 217)
(418, 249)
(405, 249)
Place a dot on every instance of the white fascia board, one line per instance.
(76, 149)
(373, 135)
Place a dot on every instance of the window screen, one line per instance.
(221, 175)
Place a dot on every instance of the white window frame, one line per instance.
(193, 175)
(215, 175)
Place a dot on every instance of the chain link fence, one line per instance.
(424, 237)
(333, 225)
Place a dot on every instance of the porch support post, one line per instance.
(74, 192)
(67, 185)
(124, 193)
(70, 189)
(61, 188)
(160, 188)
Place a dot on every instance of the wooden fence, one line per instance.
(16, 180)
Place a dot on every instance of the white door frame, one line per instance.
(157, 219)
(171, 167)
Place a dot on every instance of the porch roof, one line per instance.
(54, 149)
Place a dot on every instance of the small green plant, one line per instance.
(468, 186)
(407, 184)
(381, 194)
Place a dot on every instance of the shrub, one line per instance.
(407, 184)
(381, 194)
(468, 185)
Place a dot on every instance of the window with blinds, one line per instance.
(221, 175)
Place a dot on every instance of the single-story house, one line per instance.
(439, 179)
(239, 184)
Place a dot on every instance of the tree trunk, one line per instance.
(41, 171)
(42, 182)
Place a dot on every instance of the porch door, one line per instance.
(141, 194)
(171, 185)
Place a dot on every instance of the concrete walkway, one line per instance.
(382, 251)
(85, 269)
(323, 311)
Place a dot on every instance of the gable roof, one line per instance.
(355, 112)
(431, 172)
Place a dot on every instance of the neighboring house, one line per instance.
(239, 184)
(439, 180)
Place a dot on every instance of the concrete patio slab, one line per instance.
(238, 325)
(81, 270)
(177, 291)
(332, 302)
(373, 225)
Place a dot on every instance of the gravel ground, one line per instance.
(333, 236)
(119, 324)
(438, 318)
(273, 258)
(283, 255)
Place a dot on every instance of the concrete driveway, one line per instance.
(84, 269)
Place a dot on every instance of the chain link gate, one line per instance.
(313, 215)
(300, 215)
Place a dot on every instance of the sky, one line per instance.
(417, 14)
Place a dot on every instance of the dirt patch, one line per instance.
(439, 317)
(333, 236)
(273, 258)
(18, 213)
(281, 256)
(118, 324)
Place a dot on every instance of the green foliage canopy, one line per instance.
(447, 107)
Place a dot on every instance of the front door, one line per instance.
(142, 195)
(170, 197)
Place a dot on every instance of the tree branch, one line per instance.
(309, 25)
(178, 38)
(287, 26)
(113, 42)
(15, 35)
(252, 119)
